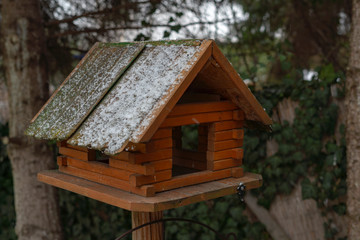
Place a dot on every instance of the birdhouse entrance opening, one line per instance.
(189, 153)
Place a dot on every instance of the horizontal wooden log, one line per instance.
(238, 115)
(197, 119)
(237, 172)
(61, 161)
(136, 147)
(223, 145)
(160, 164)
(226, 135)
(225, 125)
(223, 163)
(205, 107)
(191, 179)
(64, 144)
(189, 163)
(236, 153)
(187, 154)
(138, 180)
(146, 191)
(137, 158)
(134, 168)
(158, 144)
(162, 133)
(98, 167)
(86, 156)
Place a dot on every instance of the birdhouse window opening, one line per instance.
(101, 157)
(189, 150)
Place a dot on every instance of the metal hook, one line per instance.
(241, 190)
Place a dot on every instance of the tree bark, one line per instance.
(352, 99)
(24, 50)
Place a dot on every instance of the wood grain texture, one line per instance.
(138, 180)
(225, 125)
(223, 145)
(161, 201)
(134, 168)
(195, 108)
(197, 118)
(78, 154)
(173, 96)
(150, 232)
(255, 110)
(224, 163)
(106, 180)
(226, 135)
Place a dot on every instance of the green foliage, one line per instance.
(307, 149)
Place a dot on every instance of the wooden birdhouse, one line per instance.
(123, 117)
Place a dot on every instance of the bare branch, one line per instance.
(102, 30)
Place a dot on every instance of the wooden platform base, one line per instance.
(162, 201)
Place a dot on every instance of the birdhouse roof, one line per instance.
(119, 92)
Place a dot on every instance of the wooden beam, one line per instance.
(225, 125)
(191, 179)
(190, 163)
(223, 163)
(86, 156)
(109, 181)
(223, 145)
(137, 180)
(173, 97)
(227, 135)
(197, 118)
(241, 86)
(161, 201)
(162, 133)
(137, 158)
(236, 153)
(194, 108)
(98, 167)
(150, 232)
(134, 168)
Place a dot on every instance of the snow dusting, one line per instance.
(128, 109)
(84, 88)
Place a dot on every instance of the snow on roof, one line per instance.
(128, 106)
(82, 90)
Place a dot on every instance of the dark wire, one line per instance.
(218, 235)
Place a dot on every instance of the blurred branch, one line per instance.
(94, 13)
(101, 30)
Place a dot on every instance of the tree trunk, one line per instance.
(352, 98)
(23, 43)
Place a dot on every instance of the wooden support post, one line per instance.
(150, 232)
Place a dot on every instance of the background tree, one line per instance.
(353, 126)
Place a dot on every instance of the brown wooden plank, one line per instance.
(191, 179)
(223, 163)
(225, 125)
(162, 133)
(222, 145)
(61, 161)
(195, 108)
(137, 158)
(189, 163)
(189, 75)
(151, 231)
(98, 167)
(134, 168)
(240, 85)
(109, 181)
(138, 180)
(237, 172)
(160, 164)
(136, 147)
(86, 156)
(227, 135)
(197, 118)
(238, 115)
(64, 144)
(236, 153)
(158, 144)
(161, 201)
(177, 135)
